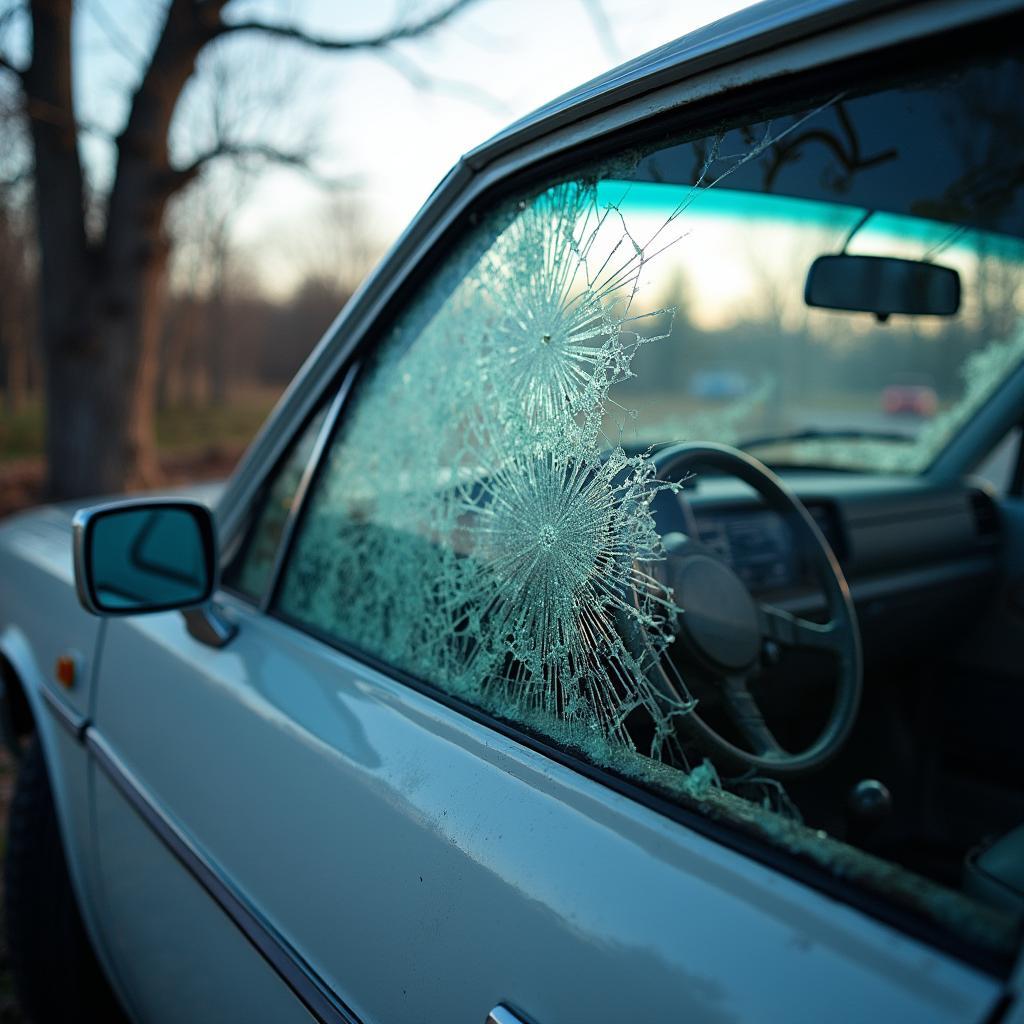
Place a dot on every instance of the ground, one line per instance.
(195, 443)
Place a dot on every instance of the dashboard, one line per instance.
(908, 547)
(760, 545)
(757, 544)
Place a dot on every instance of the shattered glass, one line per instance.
(477, 526)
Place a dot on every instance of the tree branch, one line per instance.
(41, 110)
(240, 150)
(425, 81)
(121, 41)
(375, 42)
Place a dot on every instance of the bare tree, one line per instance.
(102, 293)
(17, 258)
(192, 349)
(16, 306)
(338, 248)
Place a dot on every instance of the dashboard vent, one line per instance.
(986, 514)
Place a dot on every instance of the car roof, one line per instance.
(760, 27)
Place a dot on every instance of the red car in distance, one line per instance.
(910, 400)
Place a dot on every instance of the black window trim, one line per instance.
(238, 547)
(1016, 485)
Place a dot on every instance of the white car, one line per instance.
(502, 682)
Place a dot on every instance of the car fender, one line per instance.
(41, 620)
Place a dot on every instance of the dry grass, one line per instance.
(179, 428)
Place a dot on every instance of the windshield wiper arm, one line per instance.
(849, 434)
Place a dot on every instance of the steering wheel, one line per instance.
(722, 631)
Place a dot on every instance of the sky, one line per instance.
(389, 127)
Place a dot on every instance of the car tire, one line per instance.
(56, 974)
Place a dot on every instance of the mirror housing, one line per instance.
(144, 555)
(882, 285)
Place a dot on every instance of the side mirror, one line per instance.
(882, 285)
(147, 555)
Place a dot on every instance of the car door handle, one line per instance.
(503, 1015)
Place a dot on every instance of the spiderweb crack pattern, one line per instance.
(475, 526)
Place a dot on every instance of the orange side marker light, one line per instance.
(65, 671)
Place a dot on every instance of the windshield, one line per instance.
(920, 173)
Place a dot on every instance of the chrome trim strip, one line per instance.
(314, 994)
(503, 1015)
(71, 721)
(79, 523)
(323, 439)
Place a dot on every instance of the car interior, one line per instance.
(929, 774)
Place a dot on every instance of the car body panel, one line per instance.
(178, 956)
(41, 620)
(450, 868)
(35, 549)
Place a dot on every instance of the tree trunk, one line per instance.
(16, 372)
(102, 299)
(101, 303)
(216, 338)
(71, 350)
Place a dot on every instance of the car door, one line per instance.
(405, 862)
(406, 789)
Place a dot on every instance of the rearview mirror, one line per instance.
(882, 285)
(146, 555)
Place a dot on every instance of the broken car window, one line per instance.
(485, 516)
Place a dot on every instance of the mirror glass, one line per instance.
(150, 557)
(882, 285)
